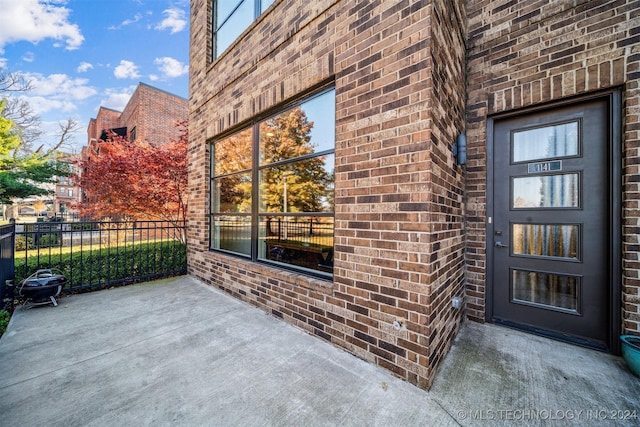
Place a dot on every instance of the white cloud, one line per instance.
(56, 92)
(84, 67)
(28, 57)
(61, 86)
(137, 17)
(36, 20)
(41, 104)
(154, 77)
(126, 70)
(117, 99)
(170, 67)
(3, 63)
(175, 21)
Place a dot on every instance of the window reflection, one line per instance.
(292, 177)
(231, 18)
(302, 186)
(546, 142)
(224, 9)
(553, 291)
(232, 154)
(545, 240)
(303, 241)
(235, 25)
(264, 5)
(232, 193)
(299, 131)
(231, 233)
(547, 191)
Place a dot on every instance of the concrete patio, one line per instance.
(176, 352)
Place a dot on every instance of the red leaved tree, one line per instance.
(137, 180)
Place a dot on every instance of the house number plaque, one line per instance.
(555, 165)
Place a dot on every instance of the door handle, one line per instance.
(500, 245)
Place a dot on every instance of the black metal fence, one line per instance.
(7, 233)
(98, 254)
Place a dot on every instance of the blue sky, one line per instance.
(83, 54)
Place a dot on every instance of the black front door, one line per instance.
(550, 231)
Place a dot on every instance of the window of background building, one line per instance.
(272, 188)
(231, 18)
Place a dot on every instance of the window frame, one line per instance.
(215, 28)
(257, 167)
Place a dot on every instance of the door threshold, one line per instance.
(569, 339)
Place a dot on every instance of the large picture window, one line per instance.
(272, 188)
(231, 18)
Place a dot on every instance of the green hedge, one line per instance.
(23, 243)
(98, 266)
(5, 317)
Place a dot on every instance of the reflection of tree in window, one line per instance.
(285, 163)
(288, 136)
(233, 154)
(232, 162)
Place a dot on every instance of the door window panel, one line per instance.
(546, 142)
(548, 240)
(546, 191)
(554, 291)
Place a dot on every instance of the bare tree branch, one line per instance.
(65, 135)
(14, 82)
(28, 124)
(26, 121)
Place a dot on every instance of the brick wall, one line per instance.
(398, 233)
(105, 119)
(446, 110)
(527, 53)
(154, 113)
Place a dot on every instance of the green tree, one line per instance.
(21, 174)
(23, 170)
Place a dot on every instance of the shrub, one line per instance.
(109, 265)
(23, 243)
(47, 240)
(5, 316)
(85, 226)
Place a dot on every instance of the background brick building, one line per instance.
(150, 115)
(67, 192)
(412, 228)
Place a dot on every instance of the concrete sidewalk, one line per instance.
(176, 352)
